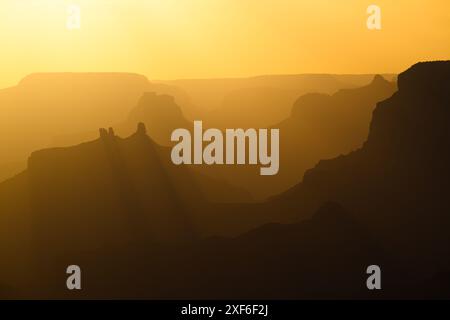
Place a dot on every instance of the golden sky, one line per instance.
(167, 39)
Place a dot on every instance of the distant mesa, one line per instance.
(103, 133)
(217, 101)
(379, 80)
(160, 114)
(398, 181)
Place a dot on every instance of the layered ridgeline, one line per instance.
(48, 105)
(389, 208)
(320, 126)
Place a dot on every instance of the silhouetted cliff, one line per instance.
(107, 195)
(398, 182)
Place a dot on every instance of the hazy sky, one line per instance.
(166, 39)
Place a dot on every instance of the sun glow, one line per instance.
(196, 38)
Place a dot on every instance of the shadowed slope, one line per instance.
(320, 127)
